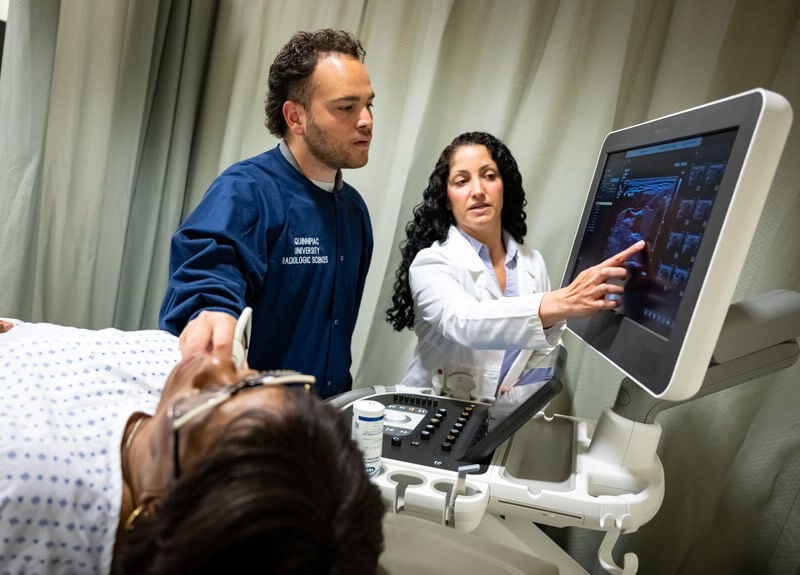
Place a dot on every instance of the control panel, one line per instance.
(431, 431)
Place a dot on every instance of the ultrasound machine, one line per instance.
(692, 185)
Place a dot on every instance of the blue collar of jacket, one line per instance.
(287, 153)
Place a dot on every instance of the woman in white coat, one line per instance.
(478, 298)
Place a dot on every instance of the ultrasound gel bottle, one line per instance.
(368, 432)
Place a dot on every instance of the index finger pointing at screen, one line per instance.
(620, 258)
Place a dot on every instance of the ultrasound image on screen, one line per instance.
(663, 194)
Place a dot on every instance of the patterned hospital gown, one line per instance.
(65, 395)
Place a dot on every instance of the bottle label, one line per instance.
(368, 433)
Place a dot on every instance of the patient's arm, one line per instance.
(5, 326)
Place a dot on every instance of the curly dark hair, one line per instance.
(290, 72)
(432, 217)
(281, 491)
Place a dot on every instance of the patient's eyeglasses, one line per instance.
(190, 407)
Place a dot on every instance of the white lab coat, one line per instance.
(463, 323)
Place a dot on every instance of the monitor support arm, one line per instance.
(757, 338)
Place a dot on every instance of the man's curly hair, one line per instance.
(290, 72)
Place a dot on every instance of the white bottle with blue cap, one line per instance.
(368, 432)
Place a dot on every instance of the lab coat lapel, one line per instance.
(464, 252)
(526, 276)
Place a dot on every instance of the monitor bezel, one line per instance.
(762, 123)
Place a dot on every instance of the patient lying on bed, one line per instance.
(115, 459)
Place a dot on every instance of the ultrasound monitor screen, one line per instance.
(662, 194)
(692, 185)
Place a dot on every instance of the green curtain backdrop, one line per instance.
(115, 115)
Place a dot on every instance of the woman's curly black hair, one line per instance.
(432, 217)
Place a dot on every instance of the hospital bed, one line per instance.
(488, 525)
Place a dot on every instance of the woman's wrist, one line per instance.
(550, 309)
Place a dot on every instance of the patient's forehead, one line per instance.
(270, 398)
(199, 372)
